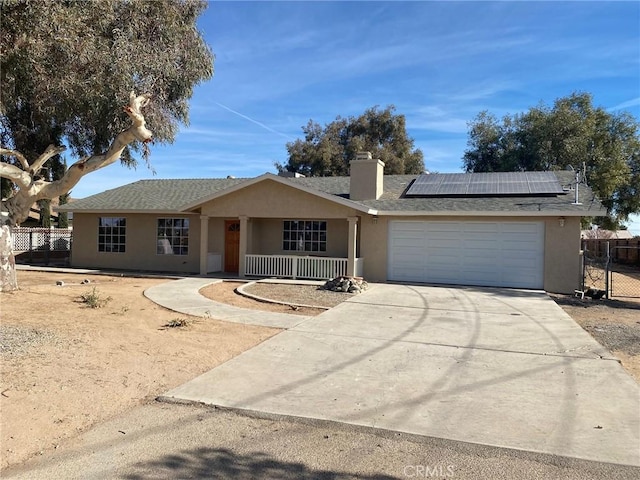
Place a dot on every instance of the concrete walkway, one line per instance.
(182, 296)
(492, 366)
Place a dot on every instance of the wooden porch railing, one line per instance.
(294, 266)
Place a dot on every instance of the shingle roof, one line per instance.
(174, 195)
(392, 201)
(159, 195)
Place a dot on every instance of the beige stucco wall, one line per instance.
(562, 255)
(216, 235)
(271, 199)
(373, 247)
(140, 246)
(561, 246)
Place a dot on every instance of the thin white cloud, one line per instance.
(629, 103)
(437, 118)
(445, 125)
(260, 124)
(477, 92)
(209, 132)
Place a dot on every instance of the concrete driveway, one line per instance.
(492, 366)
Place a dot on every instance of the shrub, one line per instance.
(179, 322)
(94, 299)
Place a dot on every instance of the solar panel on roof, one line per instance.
(452, 189)
(511, 187)
(498, 183)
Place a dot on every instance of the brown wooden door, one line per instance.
(231, 246)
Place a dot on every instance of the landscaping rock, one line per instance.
(346, 284)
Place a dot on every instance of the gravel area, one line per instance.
(617, 337)
(17, 340)
(298, 294)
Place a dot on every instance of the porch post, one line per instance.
(351, 249)
(244, 233)
(204, 243)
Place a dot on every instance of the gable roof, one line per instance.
(319, 192)
(182, 195)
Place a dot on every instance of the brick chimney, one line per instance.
(367, 177)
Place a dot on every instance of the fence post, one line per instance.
(47, 244)
(607, 271)
(70, 245)
(583, 265)
(30, 246)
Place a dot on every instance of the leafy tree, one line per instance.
(66, 69)
(327, 151)
(570, 133)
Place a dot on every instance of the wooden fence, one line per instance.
(624, 251)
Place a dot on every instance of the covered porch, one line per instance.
(315, 249)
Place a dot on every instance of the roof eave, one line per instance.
(124, 211)
(492, 213)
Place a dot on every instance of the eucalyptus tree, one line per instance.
(68, 73)
(572, 133)
(326, 151)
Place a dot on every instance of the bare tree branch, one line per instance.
(133, 110)
(13, 173)
(14, 153)
(51, 151)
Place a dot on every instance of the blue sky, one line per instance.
(279, 64)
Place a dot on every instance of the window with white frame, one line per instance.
(173, 236)
(304, 236)
(112, 234)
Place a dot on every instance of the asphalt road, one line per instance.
(160, 440)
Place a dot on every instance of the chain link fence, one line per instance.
(594, 269)
(624, 272)
(612, 268)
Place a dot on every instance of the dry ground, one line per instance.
(66, 367)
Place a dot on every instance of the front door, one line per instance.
(231, 246)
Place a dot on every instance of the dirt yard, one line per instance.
(66, 366)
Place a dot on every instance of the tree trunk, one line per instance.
(8, 277)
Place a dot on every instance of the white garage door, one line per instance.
(500, 254)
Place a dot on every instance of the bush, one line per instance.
(94, 299)
(179, 322)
